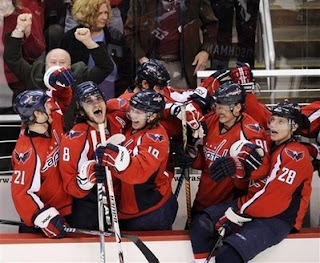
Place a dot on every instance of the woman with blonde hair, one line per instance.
(96, 15)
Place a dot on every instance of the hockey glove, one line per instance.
(194, 118)
(86, 178)
(57, 77)
(50, 222)
(116, 156)
(213, 82)
(231, 221)
(242, 75)
(250, 156)
(201, 97)
(225, 167)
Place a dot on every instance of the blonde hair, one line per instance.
(85, 12)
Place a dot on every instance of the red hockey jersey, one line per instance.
(77, 148)
(287, 191)
(312, 111)
(145, 184)
(36, 181)
(216, 145)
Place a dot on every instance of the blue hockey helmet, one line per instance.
(29, 101)
(230, 93)
(86, 89)
(148, 101)
(291, 111)
(153, 72)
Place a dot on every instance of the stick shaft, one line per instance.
(100, 206)
(186, 172)
(113, 205)
(67, 229)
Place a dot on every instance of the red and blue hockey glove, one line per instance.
(242, 75)
(86, 178)
(250, 156)
(115, 156)
(224, 167)
(213, 82)
(57, 77)
(194, 118)
(50, 222)
(201, 97)
(231, 222)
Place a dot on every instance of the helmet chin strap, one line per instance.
(46, 121)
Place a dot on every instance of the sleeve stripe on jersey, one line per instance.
(272, 176)
(35, 185)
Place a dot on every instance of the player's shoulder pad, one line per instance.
(295, 151)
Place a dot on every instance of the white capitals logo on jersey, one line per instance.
(52, 160)
(213, 154)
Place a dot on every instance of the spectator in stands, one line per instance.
(169, 32)
(96, 15)
(257, 222)
(31, 48)
(116, 18)
(246, 14)
(31, 75)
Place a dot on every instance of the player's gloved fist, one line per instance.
(50, 222)
(57, 77)
(213, 82)
(242, 74)
(224, 167)
(86, 178)
(231, 221)
(100, 173)
(201, 97)
(116, 156)
(195, 121)
(194, 118)
(251, 157)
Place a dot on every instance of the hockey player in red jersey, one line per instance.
(226, 125)
(37, 188)
(77, 150)
(146, 200)
(267, 217)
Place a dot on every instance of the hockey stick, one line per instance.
(117, 139)
(104, 197)
(180, 181)
(100, 197)
(112, 199)
(221, 232)
(186, 173)
(67, 229)
(137, 241)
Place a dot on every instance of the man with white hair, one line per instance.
(32, 75)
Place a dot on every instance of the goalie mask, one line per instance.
(154, 73)
(29, 101)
